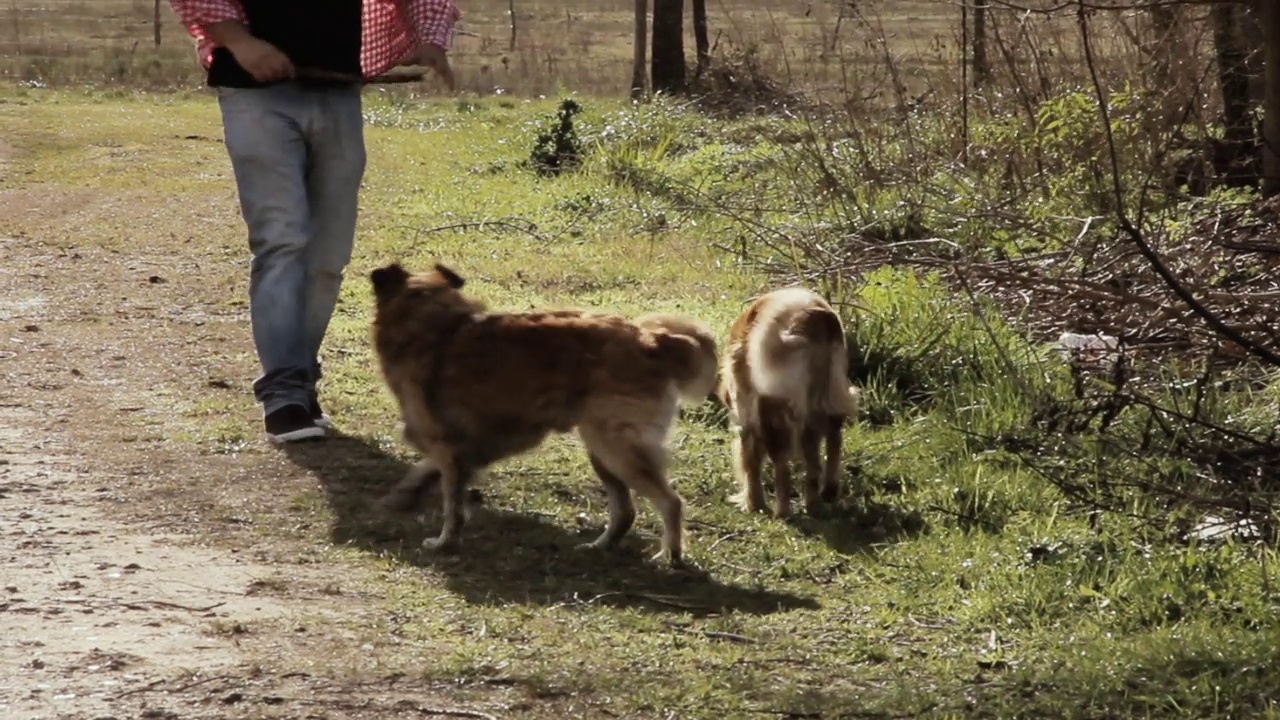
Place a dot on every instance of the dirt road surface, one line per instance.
(135, 579)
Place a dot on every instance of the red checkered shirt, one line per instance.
(391, 29)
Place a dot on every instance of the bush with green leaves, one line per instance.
(558, 149)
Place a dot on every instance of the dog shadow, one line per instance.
(511, 557)
(861, 527)
(859, 523)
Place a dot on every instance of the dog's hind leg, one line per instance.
(650, 480)
(622, 510)
(453, 482)
(778, 433)
(642, 467)
(811, 448)
(748, 462)
(831, 476)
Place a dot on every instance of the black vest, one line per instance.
(321, 34)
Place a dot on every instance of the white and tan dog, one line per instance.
(783, 379)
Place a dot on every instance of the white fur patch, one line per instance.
(787, 379)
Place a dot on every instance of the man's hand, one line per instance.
(262, 60)
(435, 58)
(258, 57)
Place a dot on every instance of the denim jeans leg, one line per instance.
(337, 163)
(264, 131)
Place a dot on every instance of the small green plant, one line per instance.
(559, 148)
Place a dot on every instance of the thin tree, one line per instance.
(1253, 43)
(1233, 80)
(638, 71)
(700, 40)
(1271, 117)
(667, 55)
(981, 66)
(1167, 49)
(511, 10)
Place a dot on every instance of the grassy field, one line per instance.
(952, 581)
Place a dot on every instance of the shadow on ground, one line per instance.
(859, 523)
(510, 557)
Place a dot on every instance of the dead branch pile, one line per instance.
(738, 83)
(1229, 258)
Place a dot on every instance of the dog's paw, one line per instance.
(690, 571)
(748, 503)
(679, 564)
(441, 544)
(397, 502)
(597, 545)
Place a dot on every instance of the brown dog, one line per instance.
(476, 387)
(784, 382)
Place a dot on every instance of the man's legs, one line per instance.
(336, 140)
(264, 131)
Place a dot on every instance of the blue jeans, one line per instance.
(298, 156)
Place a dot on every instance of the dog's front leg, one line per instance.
(409, 493)
(453, 482)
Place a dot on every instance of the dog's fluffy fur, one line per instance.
(784, 382)
(476, 387)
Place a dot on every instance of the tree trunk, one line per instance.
(1253, 45)
(667, 58)
(638, 74)
(1233, 74)
(1233, 160)
(1164, 27)
(1271, 123)
(981, 66)
(700, 39)
(1166, 52)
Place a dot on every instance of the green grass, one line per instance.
(951, 581)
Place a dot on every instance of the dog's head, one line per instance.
(388, 282)
(393, 281)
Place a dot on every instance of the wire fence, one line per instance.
(57, 41)
(518, 46)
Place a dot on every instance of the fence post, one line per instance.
(511, 9)
(156, 23)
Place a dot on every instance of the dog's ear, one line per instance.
(454, 279)
(389, 280)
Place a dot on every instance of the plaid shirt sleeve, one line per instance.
(432, 21)
(196, 14)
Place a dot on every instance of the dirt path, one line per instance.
(94, 610)
(135, 581)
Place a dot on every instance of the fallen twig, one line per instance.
(198, 683)
(526, 227)
(142, 605)
(731, 637)
(145, 688)
(670, 601)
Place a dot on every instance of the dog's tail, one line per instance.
(818, 331)
(690, 347)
